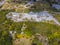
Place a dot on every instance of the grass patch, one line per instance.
(57, 16)
(43, 28)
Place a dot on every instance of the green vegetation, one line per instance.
(45, 29)
(40, 6)
(57, 16)
(5, 39)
